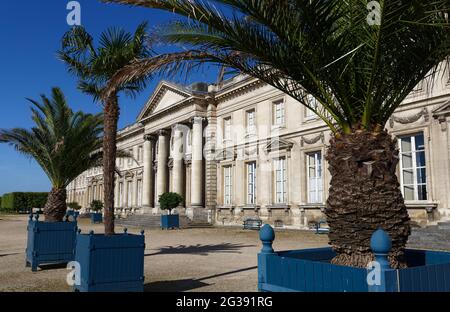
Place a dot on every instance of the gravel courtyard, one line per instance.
(209, 259)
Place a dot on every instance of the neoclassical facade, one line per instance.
(245, 149)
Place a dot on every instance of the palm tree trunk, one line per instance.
(111, 117)
(364, 195)
(56, 206)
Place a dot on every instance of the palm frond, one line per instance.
(359, 71)
(94, 64)
(62, 142)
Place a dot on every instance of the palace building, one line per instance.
(244, 149)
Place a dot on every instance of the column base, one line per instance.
(180, 210)
(145, 210)
(198, 214)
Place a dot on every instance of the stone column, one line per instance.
(134, 192)
(162, 172)
(148, 177)
(116, 192)
(89, 195)
(178, 153)
(196, 210)
(210, 162)
(155, 209)
(125, 198)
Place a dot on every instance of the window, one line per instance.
(309, 114)
(315, 185)
(278, 113)
(280, 181)
(251, 183)
(250, 121)
(139, 193)
(130, 159)
(120, 162)
(227, 185)
(227, 128)
(140, 153)
(413, 176)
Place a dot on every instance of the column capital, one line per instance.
(197, 120)
(163, 132)
(149, 137)
(179, 128)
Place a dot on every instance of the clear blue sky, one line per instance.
(30, 32)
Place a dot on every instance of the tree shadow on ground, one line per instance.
(10, 254)
(202, 250)
(174, 286)
(45, 267)
(187, 284)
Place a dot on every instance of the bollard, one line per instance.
(267, 236)
(381, 245)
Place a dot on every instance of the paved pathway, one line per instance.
(213, 259)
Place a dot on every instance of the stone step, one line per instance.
(154, 221)
(140, 221)
(444, 225)
(436, 237)
(199, 225)
(431, 236)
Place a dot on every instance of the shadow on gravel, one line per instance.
(187, 284)
(174, 286)
(202, 250)
(45, 267)
(10, 254)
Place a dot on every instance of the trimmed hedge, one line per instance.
(96, 205)
(20, 201)
(169, 201)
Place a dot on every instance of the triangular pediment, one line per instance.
(227, 153)
(278, 144)
(442, 110)
(165, 95)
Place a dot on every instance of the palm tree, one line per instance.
(63, 143)
(94, 66)
(358, 61)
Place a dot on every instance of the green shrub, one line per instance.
(74, 206)
(169, 201)
(96, 205)
(21, 201)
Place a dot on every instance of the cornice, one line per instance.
(246, 88)
(176, 106)
(131, 132)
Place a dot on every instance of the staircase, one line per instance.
(431, 237)
(149, 221)
(140, 221)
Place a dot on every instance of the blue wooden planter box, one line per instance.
(310, 271)
(112, 263)
(73, 213)
(50, 242)
(170, 222)
(96, 217)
